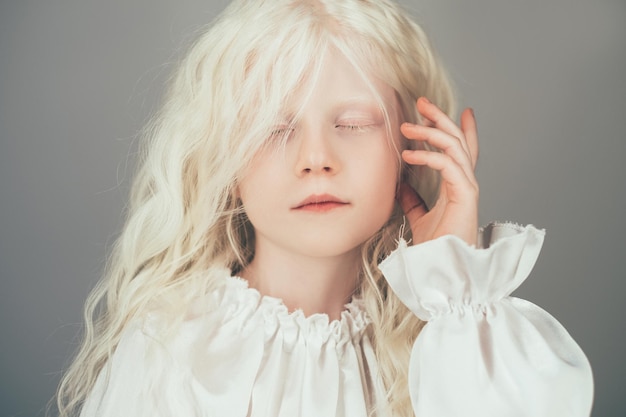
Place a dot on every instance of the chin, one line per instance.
(330, 245)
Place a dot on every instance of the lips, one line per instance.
(320, 203)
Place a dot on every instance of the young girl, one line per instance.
(302, 241)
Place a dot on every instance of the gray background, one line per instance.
(78, 79)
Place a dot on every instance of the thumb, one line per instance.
(411, 203)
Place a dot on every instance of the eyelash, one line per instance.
(286, 131)
(283, 131)
(351, 128)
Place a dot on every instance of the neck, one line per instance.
(311, 284)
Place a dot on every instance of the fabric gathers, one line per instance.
(482, 352)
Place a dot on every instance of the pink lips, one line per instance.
(320, 203)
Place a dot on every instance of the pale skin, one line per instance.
(309, 255)
(456, 209)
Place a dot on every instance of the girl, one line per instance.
(266, 269)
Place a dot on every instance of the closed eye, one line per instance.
(354, 127)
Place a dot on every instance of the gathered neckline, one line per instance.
(245, 302)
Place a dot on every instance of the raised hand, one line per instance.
(456, 209)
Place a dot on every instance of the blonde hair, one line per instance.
(185, 223)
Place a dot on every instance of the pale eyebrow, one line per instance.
(359, 101)
(360, 109)
(368, 106)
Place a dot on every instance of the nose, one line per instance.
(315, 154)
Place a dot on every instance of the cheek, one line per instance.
(254, 202)
(388, 166)
(386, 194)
(262, 188)
(390, 174)
(381, 184)
(260, 174)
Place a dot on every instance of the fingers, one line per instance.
(462, 186)
(458, 145)
(456, 209)
(450, 145)
(439, 120)
(466, 135)
(468, 125)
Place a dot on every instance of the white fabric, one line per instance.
(482, 353)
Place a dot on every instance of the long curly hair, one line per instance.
(184, 221)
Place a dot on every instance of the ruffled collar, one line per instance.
(240, 302)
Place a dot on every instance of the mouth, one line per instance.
(320, 203)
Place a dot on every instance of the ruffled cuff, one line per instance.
(483, 352)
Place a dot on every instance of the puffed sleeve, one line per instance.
(483, 352)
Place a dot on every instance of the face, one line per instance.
(331, 185)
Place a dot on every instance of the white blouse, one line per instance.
(482, 352)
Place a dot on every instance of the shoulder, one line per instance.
(216, 299)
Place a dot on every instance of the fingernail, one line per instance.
(425, 99)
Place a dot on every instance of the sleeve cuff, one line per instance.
(446, 274)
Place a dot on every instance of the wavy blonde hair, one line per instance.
(185, 222)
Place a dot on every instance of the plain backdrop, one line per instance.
(79, 78)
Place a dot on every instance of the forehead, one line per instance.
(337, 82)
